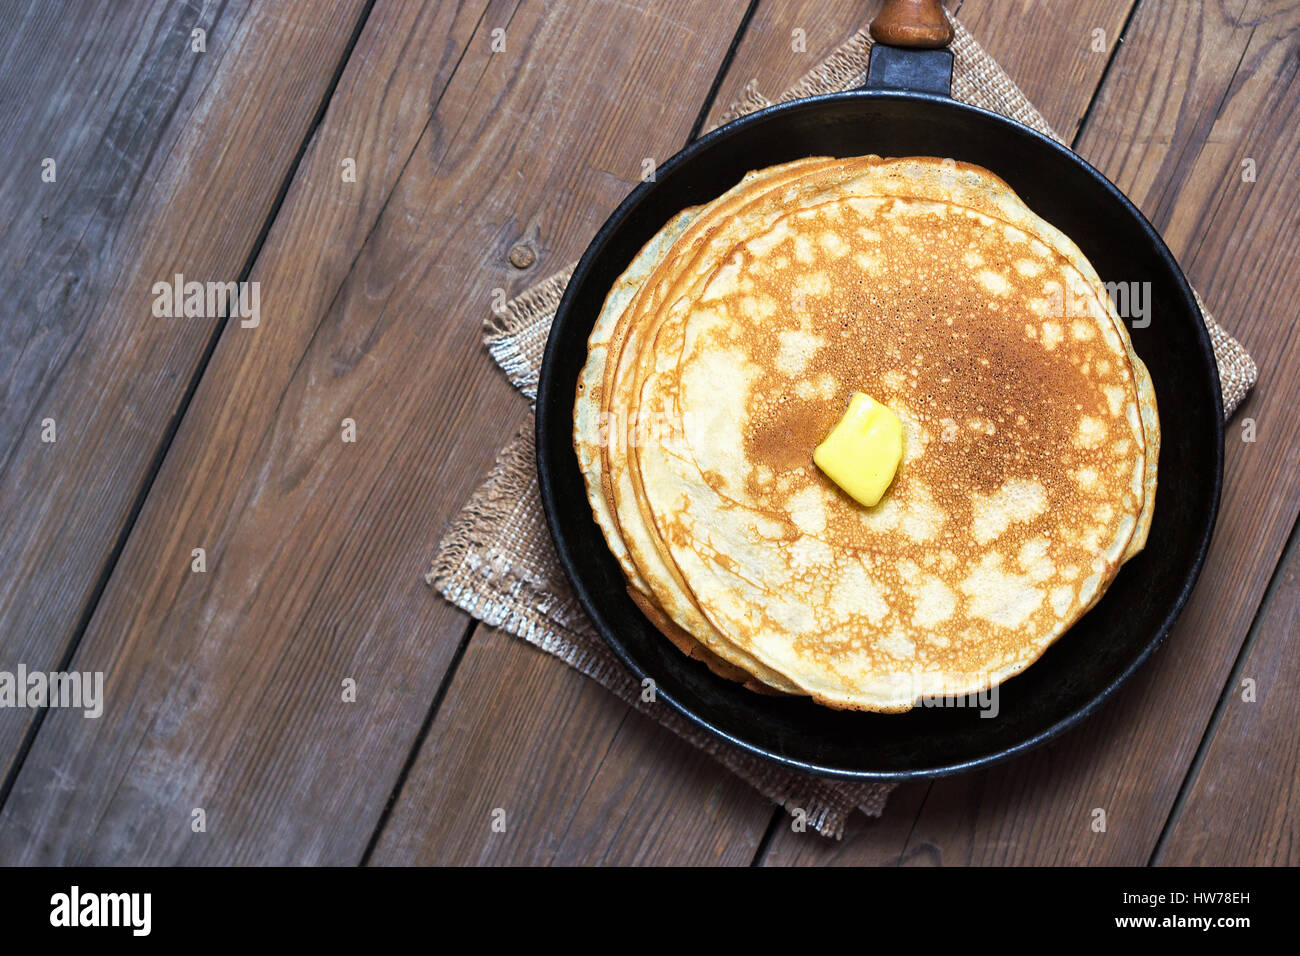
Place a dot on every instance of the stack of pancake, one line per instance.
(731, 347)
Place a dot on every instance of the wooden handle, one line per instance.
(919, 24)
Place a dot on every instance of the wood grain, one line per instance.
(224, 688)
(784, 40)
(1193, 90)
(580, 777)
(164, 165)
(313, 247)
(1046, 46)
(1242, 806)
(867, 841)
(1055, 50)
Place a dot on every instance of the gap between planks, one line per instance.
(174, 424)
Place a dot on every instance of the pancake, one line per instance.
(692, 648)
(759, 196)
(600, 431)
(738, 334)
(987, 547)
(592, 429)
(979, 189)
(663, 578)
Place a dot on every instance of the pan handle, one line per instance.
(915, 24)
(909, 54)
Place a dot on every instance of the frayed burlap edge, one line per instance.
(502, 330)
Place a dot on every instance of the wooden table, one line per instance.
(474, 128)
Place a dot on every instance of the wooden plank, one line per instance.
(1046, 46)
(1242, 806)
(370, 121)
(1031, 41)
(784, 40)
(1195, 89)
(1054, 50)
(573, 776)
(224, 688)
(163, 165)
(867, 841)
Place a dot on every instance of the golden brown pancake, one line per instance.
(743, 328)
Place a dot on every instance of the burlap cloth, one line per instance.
(497, 561)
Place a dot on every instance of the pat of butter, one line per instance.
(863, 451)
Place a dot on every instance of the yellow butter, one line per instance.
(862, 452)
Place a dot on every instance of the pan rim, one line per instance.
(546, 409)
